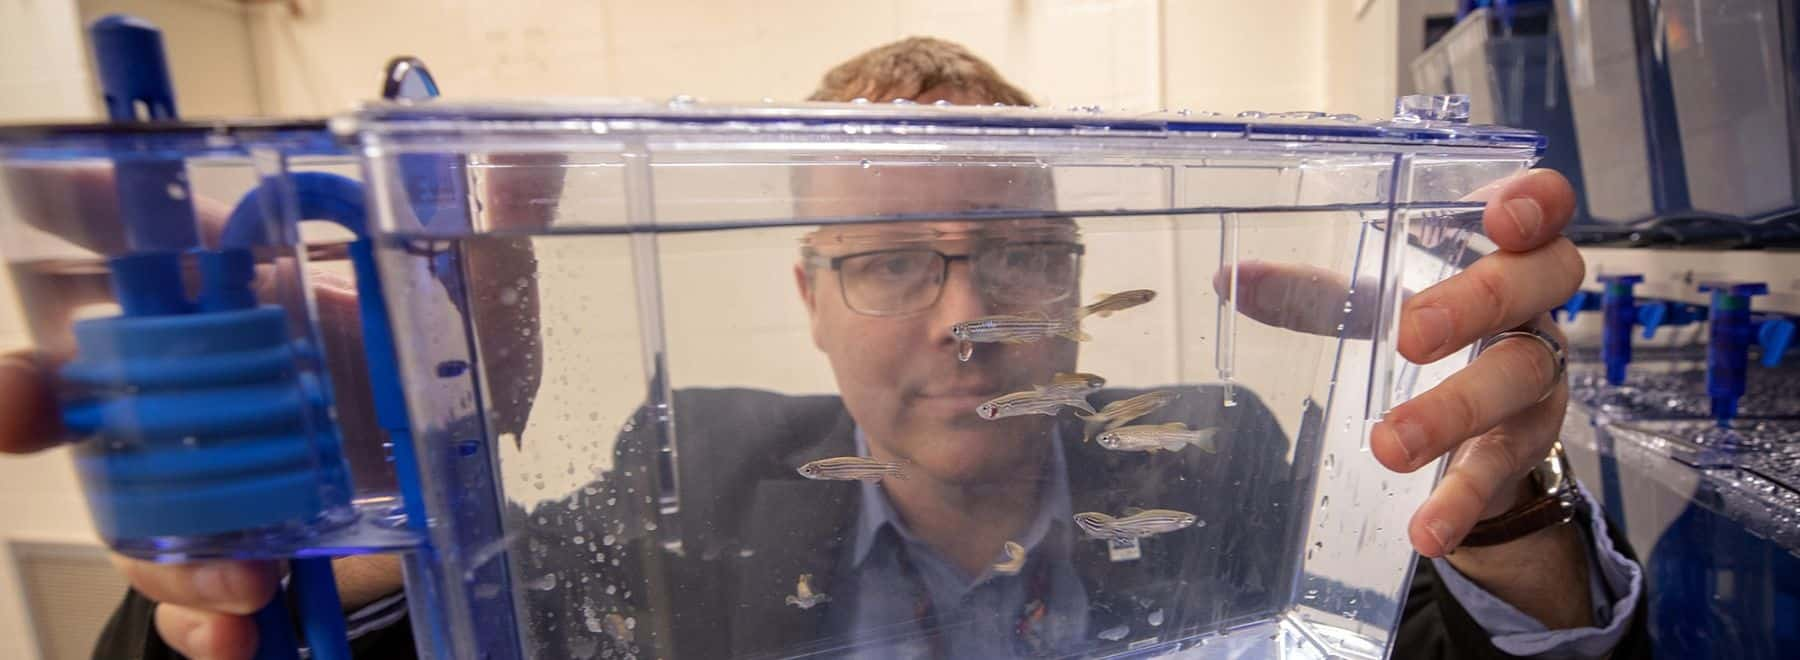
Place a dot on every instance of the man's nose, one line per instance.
(960, 301)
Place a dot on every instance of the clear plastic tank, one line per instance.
(703, 381)
(163, 274)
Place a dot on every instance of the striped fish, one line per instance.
(1117, 413)
(1173, 436)
(1038, 401)
(1017, 329)
(1137, 523)
(1116, 302)
(1074, 382)
(1015, 560)
(848, 468)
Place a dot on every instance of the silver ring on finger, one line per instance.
(1558, 357)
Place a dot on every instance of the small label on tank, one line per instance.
(1124, 550)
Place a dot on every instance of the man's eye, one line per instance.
(893, 266)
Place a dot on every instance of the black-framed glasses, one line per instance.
(903, 280)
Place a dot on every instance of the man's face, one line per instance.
(898, 372)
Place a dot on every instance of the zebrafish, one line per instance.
(1117, 413)
(1017, 329)
(846, 468)
(1015, 560)
(1038, 401)
(804, 597)
(1116, 302)
(1136, 523)
(1074, 382)
(1172, 436)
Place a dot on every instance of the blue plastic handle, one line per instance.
(1774, 335)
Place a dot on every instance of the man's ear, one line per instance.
(806, 287)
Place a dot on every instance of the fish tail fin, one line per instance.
(1075, 333)
(1091, 423)
(1206, 441)
(1081, 403)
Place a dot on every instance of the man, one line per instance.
(908, 565)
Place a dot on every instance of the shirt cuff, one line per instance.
(1616, 583)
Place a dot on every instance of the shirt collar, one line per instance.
(876, 511)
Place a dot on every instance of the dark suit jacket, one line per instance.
(708, 580)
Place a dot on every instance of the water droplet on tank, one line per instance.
(545, 583)
(859, 100)
(630, 623)
(1115, 633)
(768, 99)
(579, 539)
(177, 191)
(746, 553)
(904, 102)
(941, 103)
(681, 99)
(866, 163)
(649, 526)
(1324, 502)
(1156, 617)
(611, 589)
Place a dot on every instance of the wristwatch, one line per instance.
(1554, 504)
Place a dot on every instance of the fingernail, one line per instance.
(1411, 439)
(1527, 216)
(1440, 531)
(1431, 325)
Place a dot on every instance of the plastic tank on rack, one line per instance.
(726, 348)
(1684, 110)
(1691, 445)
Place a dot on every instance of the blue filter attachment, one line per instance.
(1620, 310)
(1728, 352)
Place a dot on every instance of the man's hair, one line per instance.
(907, 69)
(910, 67)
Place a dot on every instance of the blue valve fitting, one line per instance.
(1728, 352)
(1774, 334)
(1582, 301)
(1620, 308)
(1657, 314)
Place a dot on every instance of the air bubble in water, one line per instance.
(177, 191)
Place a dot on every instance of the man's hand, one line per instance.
(1497, 417)
(1494, 416)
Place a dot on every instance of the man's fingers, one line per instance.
(28, 418)
(1504, 380)
(1482, 479)
(1528, 211)
(1498, 293)
(1298, 297)
(231, 587)
(204, 635)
